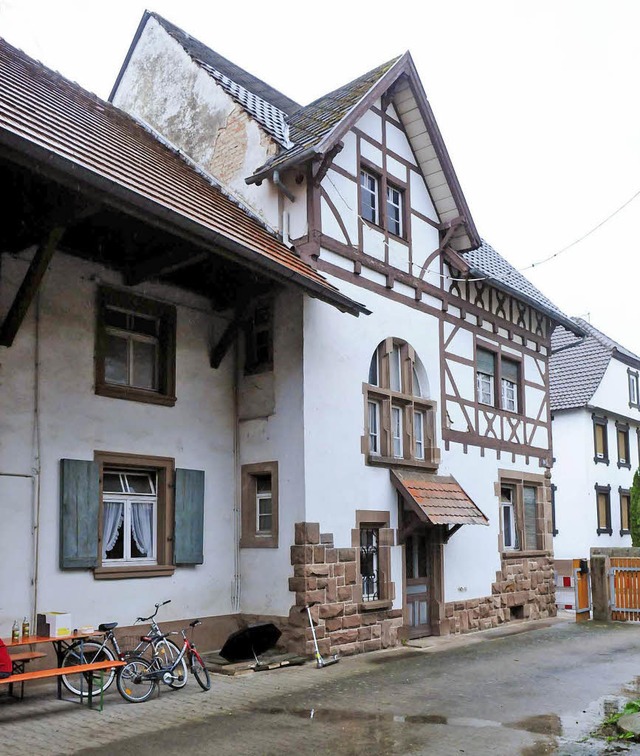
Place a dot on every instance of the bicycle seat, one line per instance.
(104, 628)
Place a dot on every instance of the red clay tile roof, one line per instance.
(45, 115)
(439, 500)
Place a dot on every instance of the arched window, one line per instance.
(399, 418)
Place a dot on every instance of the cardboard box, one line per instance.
(59, 624)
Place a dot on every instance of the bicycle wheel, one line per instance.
(167, 652)
(200, 672)
(86, 652)
(133, 684)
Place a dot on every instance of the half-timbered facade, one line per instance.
(423, 430)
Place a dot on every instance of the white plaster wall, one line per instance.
(575, 474)
(613, 392)
(278, 437)
(74, 422)
(163, 87)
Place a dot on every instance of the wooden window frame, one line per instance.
(252, 365)
(383, 184)
(622, 432)
(634, 387)
(250, 537)
(624, 493)
(406, 402)
(166, 315)
(380, 521)
(497, 387)
(603, 491)
(517, 482)
(601, 422)
(164, 468)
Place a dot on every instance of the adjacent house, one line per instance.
(595, 407)
(192, 375)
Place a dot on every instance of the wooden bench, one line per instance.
(19, 660)
(42, 674)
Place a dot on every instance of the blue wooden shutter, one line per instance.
(189, 517)
(79, 513)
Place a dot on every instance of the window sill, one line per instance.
(267, 542)
(375, 606)
(626, 465)
(516, 554)
(134, 395)
(601, 460)
(604, 531)
(625, 532)
(378, 461)
(121, 572)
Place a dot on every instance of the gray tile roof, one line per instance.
(310, 124)
(268, 106)
(486, 262)
(578, 364)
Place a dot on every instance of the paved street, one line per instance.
(517, 691)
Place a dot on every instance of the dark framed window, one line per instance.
(259, 338)
(521, 513)
(494, 371)
(625, 511)
(130, 515)
(399, 421)
(600, 443)
(603, 505)
(622, 436)
(634, 394)
(383, 201)
(395, 210)
(372, 540)
(135, 348)
(259, 506)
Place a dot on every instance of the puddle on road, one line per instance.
(571, 728)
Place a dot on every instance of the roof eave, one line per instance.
(133, 203)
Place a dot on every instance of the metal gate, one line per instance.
(624, 588)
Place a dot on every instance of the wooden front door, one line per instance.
(417, 584)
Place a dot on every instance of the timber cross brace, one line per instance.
(29, 286)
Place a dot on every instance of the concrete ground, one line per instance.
(527, 688)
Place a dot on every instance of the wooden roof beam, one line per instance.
(29, 286)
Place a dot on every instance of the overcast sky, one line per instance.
(538, 103)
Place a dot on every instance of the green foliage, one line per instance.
(634, 518)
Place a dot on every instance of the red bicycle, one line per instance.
(139, 677)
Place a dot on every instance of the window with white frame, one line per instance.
(634, 396)
(129, 517)
(495, 370)
(395, 210)
(399, 421)
(135, 350)
(374, 427)
(369, 193)
(485, 376)
(521, 513)
(509, 381)
(259, 505)
(508, 517)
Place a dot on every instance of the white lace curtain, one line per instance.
(142, 526)
(112, 517)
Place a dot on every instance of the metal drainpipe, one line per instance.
(278, 182)
(236, 592)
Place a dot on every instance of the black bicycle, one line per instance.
(152, 646)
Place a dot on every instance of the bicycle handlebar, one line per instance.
(144, 619)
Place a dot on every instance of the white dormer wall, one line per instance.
(164, 88)
(613, 392)
(384, 148)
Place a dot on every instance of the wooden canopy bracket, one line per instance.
(242, 312)
(450, 531)
(29, 286)
(320, 171)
